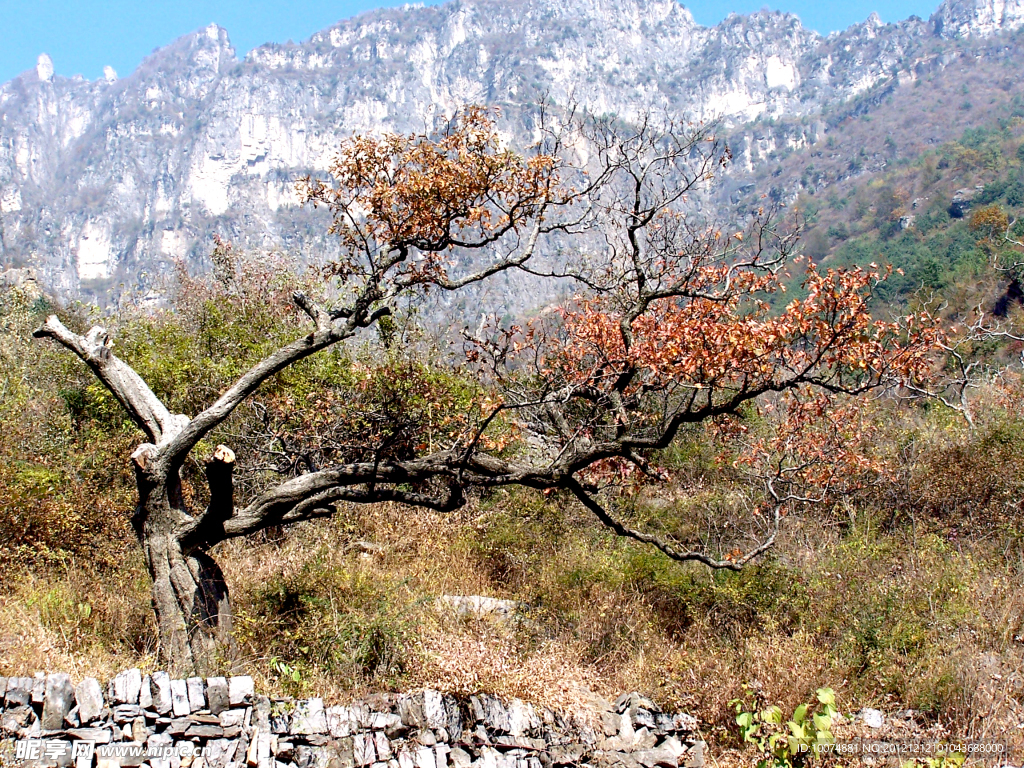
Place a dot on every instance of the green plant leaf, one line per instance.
(827, 697)
(800, 714)
(794, 745)
(773, 715)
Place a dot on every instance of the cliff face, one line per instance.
(103, 184)
(960, 18)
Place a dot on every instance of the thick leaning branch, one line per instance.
(127, 387)
(327, 334)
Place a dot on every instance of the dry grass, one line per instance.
(77, 621)
(925, 613)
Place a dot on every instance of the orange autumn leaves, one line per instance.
(732, 342)
(722, 351)
(397, 194)
(678, 326)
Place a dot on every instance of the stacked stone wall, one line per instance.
(159, 722)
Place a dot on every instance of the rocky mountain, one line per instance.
(104, 184)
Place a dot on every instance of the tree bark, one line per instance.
(192, 606)
(190, 596)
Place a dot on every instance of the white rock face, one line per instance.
(981, 18)
(780, 74)
(44, 68)
(209, 181)
(10, 201)
(95, 252)
(109, 74)
(173, 244)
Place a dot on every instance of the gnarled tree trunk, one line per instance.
(190, 596)
(192, 606)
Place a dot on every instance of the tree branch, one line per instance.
(250, 381)
(672, 552)
(127, 387)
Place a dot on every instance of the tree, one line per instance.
(673, 325)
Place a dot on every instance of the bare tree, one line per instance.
(672, 328)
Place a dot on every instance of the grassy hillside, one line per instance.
(904, 595)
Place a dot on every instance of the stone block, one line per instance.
(96, 735)
(662, 758)
(197, 731)
(382, 745)
(58, 699)
(426, 737)
(279, 719)
(523, 719)
(179, 726)
(673, 745)
(643, 718)
(363, 749)
(240, 690)
(89, 696)
(160, 692)
(285, 751)
(20, 720)
(179, 698)
(425, 758)
(217, 695)
(125, 713)
(663, 724)
(125, 687)
(643, 739)
(196, 693)
(383, 721)
(230, 718)
(567, 754)
(339, 722)
(684, 723)
(309, 717)
(139, 730)
(361, 715)
(220, 752)
(490, 711)
(146, 693)
(333, 756)
(19, 691)
(610, 722)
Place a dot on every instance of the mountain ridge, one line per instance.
(105, 183)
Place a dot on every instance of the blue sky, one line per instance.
(82, 36)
